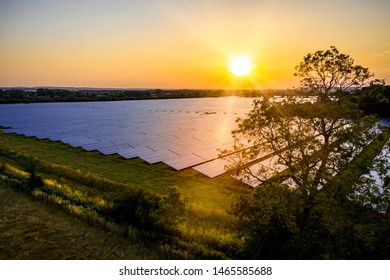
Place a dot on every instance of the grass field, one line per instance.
(66, 216)
(203, 191)
(81, 182)
(30, 229)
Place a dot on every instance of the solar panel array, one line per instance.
(182, 133)
(179, 132)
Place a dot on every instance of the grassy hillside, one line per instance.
(89, 184)
(58, 202)
(30, 229)
(205, 192)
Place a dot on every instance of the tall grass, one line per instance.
(181, 228)
(34, 230)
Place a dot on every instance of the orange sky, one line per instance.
(182, 44)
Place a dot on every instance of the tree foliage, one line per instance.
(374, 99)
(148, 211)
(309, 143)
(317, 198)
(324, 73)
(320, 169)
(82, 95)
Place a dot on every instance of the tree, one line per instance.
(329, 72)
(315, 196)
(313, 167)
(374, 99)
(303, 145)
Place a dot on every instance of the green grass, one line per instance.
(30, 229)
(203, 191)
(54, 221)
(84, 183)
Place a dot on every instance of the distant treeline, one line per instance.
(372, 100)
(64, 95)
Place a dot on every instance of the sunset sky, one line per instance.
(183, 43)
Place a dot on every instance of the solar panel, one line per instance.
(212, 168)
(180, 132)
(183, 162)
(128, 154)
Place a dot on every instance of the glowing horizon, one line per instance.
(182, 44)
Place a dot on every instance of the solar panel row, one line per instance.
(181, 133)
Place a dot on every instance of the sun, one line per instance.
(240, 66)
